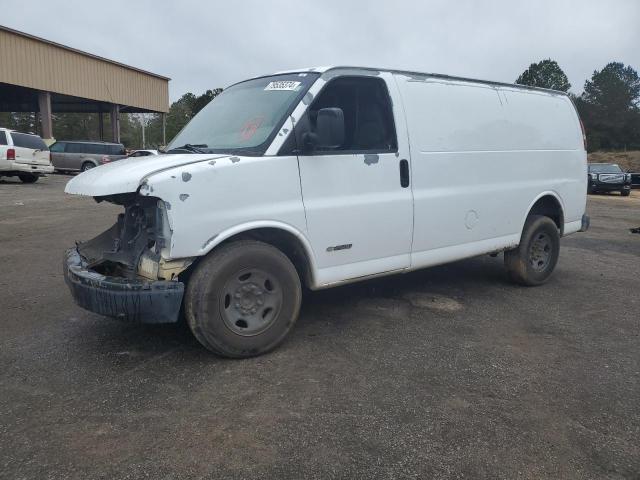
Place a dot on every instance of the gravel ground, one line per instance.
(450, 372)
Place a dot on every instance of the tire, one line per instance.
(625, 193)
(87, 166)
(533, 262)
(28, 178)
(243, 299)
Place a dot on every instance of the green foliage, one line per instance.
(24, 122)
(77, 126)
(545, 74)
(609, 108)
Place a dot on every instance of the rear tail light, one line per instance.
(11, 154)
(105, 159)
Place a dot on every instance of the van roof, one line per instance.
(424, 74)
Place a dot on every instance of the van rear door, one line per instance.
(57, 154)
(30, 149)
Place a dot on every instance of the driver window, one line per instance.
(368, 116)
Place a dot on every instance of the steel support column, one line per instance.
(101, 125)
(115, 123)
(164, 130)
(44, 106)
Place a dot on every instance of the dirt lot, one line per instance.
(447, 373)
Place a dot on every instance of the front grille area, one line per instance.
(611, 177)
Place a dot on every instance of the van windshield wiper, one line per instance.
(190, 147)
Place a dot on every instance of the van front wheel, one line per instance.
(533, 262)
(243, 299)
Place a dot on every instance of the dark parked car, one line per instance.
(608, 177)
(67, 155)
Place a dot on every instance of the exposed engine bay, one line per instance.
(133, 246)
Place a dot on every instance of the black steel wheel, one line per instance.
(28, 177)
(243, 299)
(251, 301)
(534, 260)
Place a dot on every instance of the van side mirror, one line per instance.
(329, 132)
(330, 127)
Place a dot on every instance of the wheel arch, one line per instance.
(550, 205)
(286, 238)
(86, 160)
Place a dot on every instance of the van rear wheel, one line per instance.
(87, 166)
(243, 299)
(533, 262)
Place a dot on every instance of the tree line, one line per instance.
(609, 108)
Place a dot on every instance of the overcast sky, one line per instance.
(209, 44)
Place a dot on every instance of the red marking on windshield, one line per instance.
(250, 127)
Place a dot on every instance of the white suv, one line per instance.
(23, 155)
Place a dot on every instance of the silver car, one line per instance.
(74, 156)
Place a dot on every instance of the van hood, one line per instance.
(125, 176)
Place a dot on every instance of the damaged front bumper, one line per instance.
(130, 299)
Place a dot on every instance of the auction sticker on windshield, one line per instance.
(283, 85)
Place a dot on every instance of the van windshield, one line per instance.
(245, 117)
(604, 168)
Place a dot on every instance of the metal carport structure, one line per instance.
(37, 75)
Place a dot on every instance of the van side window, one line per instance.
(3, 138)
(99, 149)
(92, 148)
(57, 147)
(368, 115)
(74, 148)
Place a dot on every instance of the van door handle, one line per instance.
(404, 173)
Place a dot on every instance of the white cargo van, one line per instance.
(324, 176)
(23, 155)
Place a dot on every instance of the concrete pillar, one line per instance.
(44, 106)
(115, 123)
(164, 130)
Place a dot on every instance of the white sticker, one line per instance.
(283, 85)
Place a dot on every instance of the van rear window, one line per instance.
(28, 141)
(116, 150)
